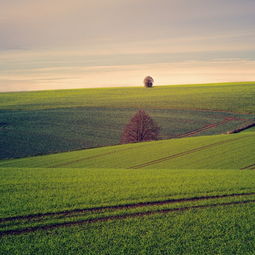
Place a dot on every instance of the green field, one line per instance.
(236, 97)
(191, 195)
(233, 151)
(219, 209)
(81, 209)
(44, 122)
(26, 191)
(209, 231)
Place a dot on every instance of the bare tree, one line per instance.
(140, 128)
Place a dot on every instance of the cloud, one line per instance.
(54, 43)
(54, 23)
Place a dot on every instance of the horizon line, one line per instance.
(136, 86)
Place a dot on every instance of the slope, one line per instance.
(233, 151)
(44, 122)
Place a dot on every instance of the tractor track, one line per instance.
(122, 206)
(184, 153)
(188, 134)
(207, 127)
(251, 167)
(96, 156)
(117, 217)
(210, 110)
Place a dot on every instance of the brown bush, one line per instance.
(140, 128)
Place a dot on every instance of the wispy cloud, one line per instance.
(64, 43)
(130, 75)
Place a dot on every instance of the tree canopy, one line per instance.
(140, 128)
(148, 82)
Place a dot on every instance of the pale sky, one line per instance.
(55, 44)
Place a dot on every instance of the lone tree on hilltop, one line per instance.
(140, 128)
(148, 82)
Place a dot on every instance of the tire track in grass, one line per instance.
(188, 134)
(214, 111)
(118, 217)
(251, 167)
(191, 133)
(122, 206)
(100, 155)
(184, 153)
(207, 127)
(90, 157)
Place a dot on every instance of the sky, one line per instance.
(59, 44)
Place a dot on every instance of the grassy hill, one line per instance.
(44, 122)
(200, 96)
(191, 195)
(206, 152)
(89, 210)
(217, 230)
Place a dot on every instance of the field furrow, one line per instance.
(252, 166)
(207, 127)
(117, 217)
(123, 206)
(184, 153)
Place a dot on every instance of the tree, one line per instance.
(140, 128)
(148, 82)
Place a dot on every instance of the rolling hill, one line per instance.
(233, 151)
(190, 195)
(45, 122)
